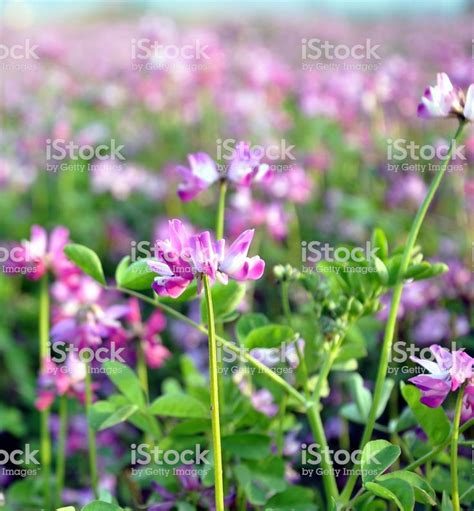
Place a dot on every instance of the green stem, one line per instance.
(45, 440)
(261, 368)
(61, 459)
(91, 435)
(221, 210)
(313, 413)
(454, 451)
(392, 318)
(214, 391)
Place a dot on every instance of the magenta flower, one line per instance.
(243, 169)
(148, 333)
(445, 100)
(448, 373)
(41, 254)
(182, 258)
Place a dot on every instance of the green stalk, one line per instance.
(214, 391)
(61, 458)
(45, 440)
(221, 210)
(261, 368)
(454, 451)
(397, 293)
(91, 435)
(313, 413)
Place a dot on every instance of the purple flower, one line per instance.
(202, 171)
(448, 373)
(182, 258)
(262, 401)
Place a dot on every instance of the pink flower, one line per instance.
(445, 100)
(262, 401)
(55, 380)
(41, 254)
(448, 373)
(155, 353)
(182, 258)
(243, 169)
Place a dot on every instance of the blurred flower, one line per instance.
(41, 254)
(262, 401)
(448, 373)
(60, 380)
(244, 167)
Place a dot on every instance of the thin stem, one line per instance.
(454, 451)
(313, 413)
(392, 318)
(61, 458)
(262, 368)
(214, 391)
(221, 210)
(45, 440)
(91, 435)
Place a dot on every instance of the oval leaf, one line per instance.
(87, 260)
(181, 406)
(377, 456)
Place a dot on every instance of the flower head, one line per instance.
(42, 253)
(244, 168)
(182, 258)
(447, 373)
(445, 100)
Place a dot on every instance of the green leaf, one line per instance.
(382, 272)
(433, 421)
(379, 240)
(377, 456)
(120, 415)
(249, 446)
(396, 490)
(99, 412)
(98, 505)
(126, 381)
(295, 498)
(249, 322)
(121, 268)
(179, 405)
(424, 493)
(68, 508)
(138, 276)
(361, 396)
(87, 260)
(386, 392)
(225, 299)
(269, 336)
(446, 504)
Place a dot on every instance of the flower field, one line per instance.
(236, 261)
